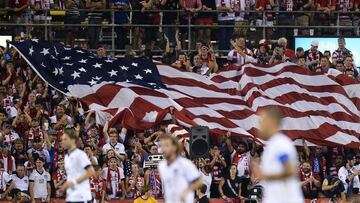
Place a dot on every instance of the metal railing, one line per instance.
(49, 24)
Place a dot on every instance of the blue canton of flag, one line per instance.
(62, 66)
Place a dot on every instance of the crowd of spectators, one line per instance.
(166, 17)
(33, 117)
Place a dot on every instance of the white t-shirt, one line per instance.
(53, 119)
(225, 16)
(76, 163)
(40, 180)
(343, 174)
(244, 164)
(118, 148)
(115, 184)
(207, 179)
(278, 150)
(4, 179)
(20, 183)
(239, 60)
(176, 178)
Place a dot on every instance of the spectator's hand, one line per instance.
(172, 110)
(336, 183)
(224, 197)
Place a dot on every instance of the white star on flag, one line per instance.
(109, 61)
(75, 75)
(139, 77)
(134, 64)
(79, 51)
(124, 68)
(56, 72)
(113, 73)
(82, 69)
(147, 71)
(61, 71)
(31, 51)
(92, 82)
(68, 64)
(97, 65)
(35, 40)
(45, 51)
(66, 58)
(83, 61)
(42, 64)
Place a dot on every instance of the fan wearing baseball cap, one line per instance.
(313, 55)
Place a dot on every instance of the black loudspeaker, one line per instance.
(199, 141)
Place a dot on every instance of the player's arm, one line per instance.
(289, 169)
(196, 184)
(89, 172)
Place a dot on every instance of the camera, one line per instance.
(153, 161)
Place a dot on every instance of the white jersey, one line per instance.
(118, 148)
(176, 178)
(40, 181)
(4, 179)
(21, 183)
(76, 163)
(278, 150)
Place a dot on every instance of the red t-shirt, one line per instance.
(325, 3)
(290, 54)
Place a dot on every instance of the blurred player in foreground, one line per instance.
(78, 169)
(178, 174)
(278, 168)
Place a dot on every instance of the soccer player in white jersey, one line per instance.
(179, 175)
(278, 168)
(39, 186)
(78, 169)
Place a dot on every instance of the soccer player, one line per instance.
(39, 186)
(78, 169)
(279, 162)
(178, 174)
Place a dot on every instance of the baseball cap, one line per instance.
(4, 145)
(341, 39)
(40, 158)
(7, 125)
(18, 140)
(37, 139)
(113, 158)
(315, 43)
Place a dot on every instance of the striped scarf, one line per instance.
(155, 184)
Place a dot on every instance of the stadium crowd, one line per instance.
(168, 17)
(33, 116)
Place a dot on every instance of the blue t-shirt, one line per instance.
(121, 17)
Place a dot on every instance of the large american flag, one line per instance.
(138, 94)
